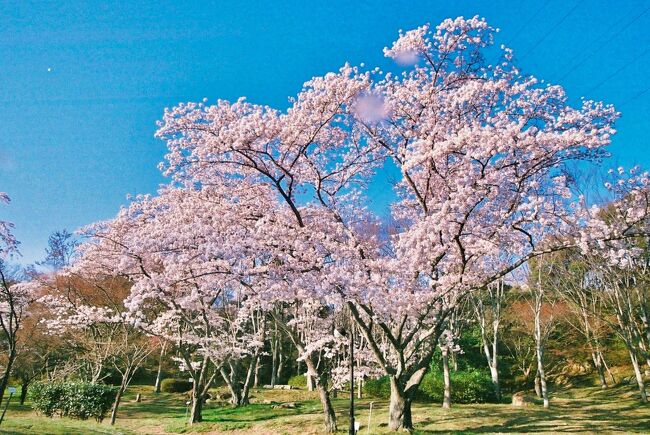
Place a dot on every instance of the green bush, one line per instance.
(298, 381)
(471, 386)
(175, 386)
(73, 399)
(379, 387)
(46, 397)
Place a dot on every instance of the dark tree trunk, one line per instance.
(196, 415)
(23, 391)
(197, 407)
(5, 377)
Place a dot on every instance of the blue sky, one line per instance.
(77, 138)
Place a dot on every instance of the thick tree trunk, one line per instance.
(310, 382)
(446, 401)
(329, 415)
(197, 406)
(328, 410)
(399, 413)
(196, 415)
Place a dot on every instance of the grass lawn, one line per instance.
(578, 410)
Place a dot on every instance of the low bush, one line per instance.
(73, 399)
(471, 386)
(298, 381)
(379, 387)
(175, 386)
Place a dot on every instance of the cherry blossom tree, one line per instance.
(182, 251)
(15, 297)
(267, 207)
(89, 311)
(481, 150)
(617, 269)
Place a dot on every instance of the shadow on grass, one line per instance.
(594, 411)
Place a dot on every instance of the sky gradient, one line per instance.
(83, 83)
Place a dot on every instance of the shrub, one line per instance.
(379, 387)
(175, 386)
(298, 381)
(46, 397)
(73, 399)
(472, 386)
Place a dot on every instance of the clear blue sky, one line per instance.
(76, 139)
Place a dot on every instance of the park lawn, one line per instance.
(583, 410)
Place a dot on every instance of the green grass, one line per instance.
(583, 410)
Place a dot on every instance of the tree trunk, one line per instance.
(197, 406)
(539, 342)
(359, 388)
(116, 403)
(609, 372)
(399, 414)
(595, 356)
(454, 361)
(199, 384)
(23, 391)
(324, 395)
(538, 387)
(328, 409)
(5, 377)
(321, 384)
(274, 360)
(279, 373)
(639, 377)
(542, 376)
(234, 385)
(494, 372)
(446, 401)
(310, 382)
(245, 399)
(258, 366)
(159, 373)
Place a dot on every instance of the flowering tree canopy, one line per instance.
(267, 207)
